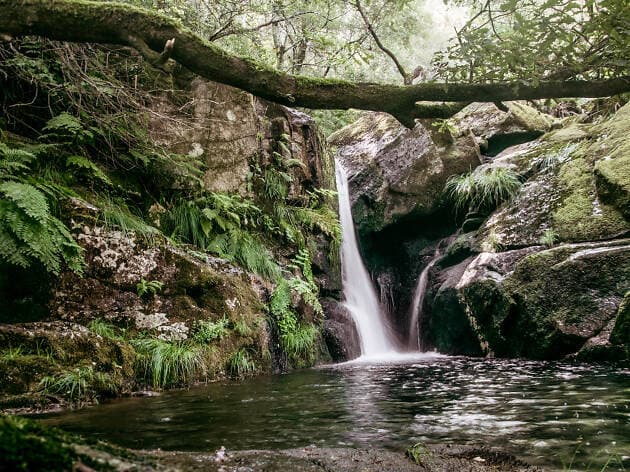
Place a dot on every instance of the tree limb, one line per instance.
(381, 46)
(113, 23)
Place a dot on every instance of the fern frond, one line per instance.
(28, 198)
(92, 170)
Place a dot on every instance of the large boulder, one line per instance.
(395, 172)
(576, 188)
(497, 129)
(533, 302)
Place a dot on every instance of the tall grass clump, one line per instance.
(299, 344)
(167, 364)
(105, 329)
(483, 189)
(240, 364)
(80, 385)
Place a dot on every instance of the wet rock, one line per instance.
(574, 190)
(395, 172)
(498, 129)
(340, 334)
(535, 302)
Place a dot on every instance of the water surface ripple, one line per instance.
(551, 414)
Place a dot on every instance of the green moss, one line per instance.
(579, 216)
(27, 446)
(545, 325)
(421, 455)
(613, 182)
(621, 332)
(529, 117)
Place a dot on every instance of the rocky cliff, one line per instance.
(202, 220)
(544, 274)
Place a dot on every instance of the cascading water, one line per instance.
(418, 300)
(360, 296)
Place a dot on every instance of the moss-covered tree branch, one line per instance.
(114, 23)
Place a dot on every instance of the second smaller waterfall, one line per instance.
(418, 300)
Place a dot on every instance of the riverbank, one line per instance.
(27, 445)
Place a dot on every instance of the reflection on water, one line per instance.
(546, 413)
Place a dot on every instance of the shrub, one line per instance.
(240, 364)
(208, 331)
(167, 364)
(80, 385)
(483, 189)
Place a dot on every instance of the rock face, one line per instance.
(547, 275)
(340, 332)
(397, 173)
(542, 276)
(150, 287)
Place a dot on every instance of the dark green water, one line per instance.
(551, 414)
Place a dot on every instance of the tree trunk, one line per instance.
(112, 23)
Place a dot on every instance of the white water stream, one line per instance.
(418, 300)
(360, 296)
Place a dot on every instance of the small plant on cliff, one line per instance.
(548, 238)
(299, 344)
(208, 331)
(150, 287)
(166, 364)
(444, 126)
(105, 330)
(483, 189)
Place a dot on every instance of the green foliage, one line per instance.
(549, 237)
(91, 170)
(281, 309)
(224, 225)
(297, 340)
(12, 353)
(241, 364)
(30, 234)
(80, 385)
(532, 40)
(242, 328)
(26, 445)
(444, 126)
(484, 189)
(276, 183)
(552, 159)
(420, 454)
(167, 364)
(105, 329)
(299, 344)
(208, 331)
(150, 287)
(116, 215)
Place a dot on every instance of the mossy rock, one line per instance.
(28, 446)
(49, 347)
(613, 182)
(579, 216)
(591, 280)
(22, 373)
(621, 332)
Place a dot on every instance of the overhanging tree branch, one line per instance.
(113, 23)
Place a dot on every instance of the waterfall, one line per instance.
(418, 300)
(360, 296)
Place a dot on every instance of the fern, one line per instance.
(92, 170)
(29, 233)
(27, 198)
